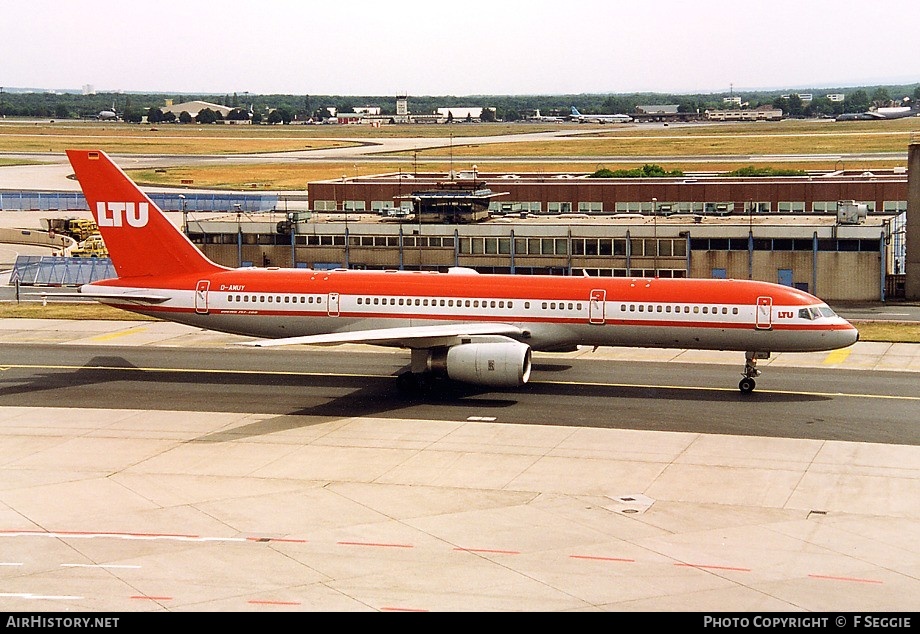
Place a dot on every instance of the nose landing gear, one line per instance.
(747, 383)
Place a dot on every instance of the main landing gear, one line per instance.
(747, 383)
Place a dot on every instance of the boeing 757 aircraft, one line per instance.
(469, 327)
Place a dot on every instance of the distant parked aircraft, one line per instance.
(897, 112)
(108, 115)
(546, 118)
(599, 118)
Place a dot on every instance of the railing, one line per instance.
(174, 201)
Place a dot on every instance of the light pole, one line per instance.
(655, 232)
(345, 209)
(184, 214)
(239, 234)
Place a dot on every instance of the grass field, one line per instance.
(889, 331)
(567, 153)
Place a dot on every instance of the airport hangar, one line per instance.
(791, 230)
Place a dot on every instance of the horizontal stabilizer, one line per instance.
(120, 298)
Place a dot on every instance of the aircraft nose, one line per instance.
(849, 335)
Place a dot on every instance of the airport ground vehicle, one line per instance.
(92, 247)
(77, 228)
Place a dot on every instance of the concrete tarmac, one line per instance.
(127, 510)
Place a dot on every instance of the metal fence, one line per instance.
(40, 270)
(173, 201)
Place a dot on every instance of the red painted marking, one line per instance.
(276, 539)
(259, 602)
(631, 561)
(375, 544)
(702, 567)
(854, 579)
(490, 551)
(388, 609)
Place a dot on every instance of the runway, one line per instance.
(154, 467)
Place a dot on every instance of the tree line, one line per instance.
(279, 108)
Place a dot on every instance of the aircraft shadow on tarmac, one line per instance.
(326, 398)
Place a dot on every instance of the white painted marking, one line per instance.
(97, 566)
(29, 595)
(126, 536)
(481, 419)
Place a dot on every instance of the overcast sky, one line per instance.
(464, 47)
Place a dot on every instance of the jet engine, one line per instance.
(496, 364)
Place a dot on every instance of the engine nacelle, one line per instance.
(498, 364)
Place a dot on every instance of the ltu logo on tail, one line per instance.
(117, 214)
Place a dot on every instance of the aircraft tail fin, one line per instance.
(141, 240)
(575, 112)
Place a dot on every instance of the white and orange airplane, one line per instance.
(473, 328)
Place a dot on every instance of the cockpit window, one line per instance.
(826, 311)
(805, 313)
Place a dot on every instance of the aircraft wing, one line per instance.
(124, 298)
(405, 337)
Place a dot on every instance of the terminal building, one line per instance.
(840, 236)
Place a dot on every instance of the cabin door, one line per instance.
(333, 305)
(596, 306)
(201, 297)
(764, 318)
